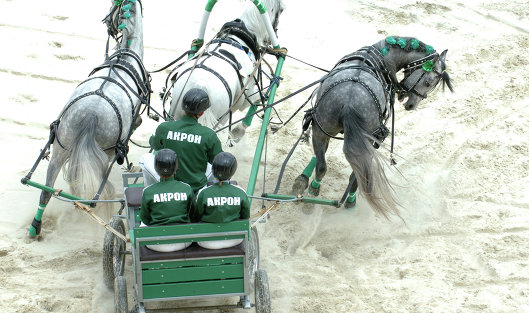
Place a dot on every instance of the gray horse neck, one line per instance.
(397, 58)
(133, 40)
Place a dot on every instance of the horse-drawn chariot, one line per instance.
(195, 272)
(192, 273)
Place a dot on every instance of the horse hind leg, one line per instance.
(320, 143)
(350, 202)
(57, 161)
(302, 181)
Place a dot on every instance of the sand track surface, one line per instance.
(462, 175)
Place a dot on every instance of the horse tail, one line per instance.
(209, 119)
(367, 164)
(88, 162)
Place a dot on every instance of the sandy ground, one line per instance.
(462, 171)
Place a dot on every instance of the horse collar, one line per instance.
(238, 29)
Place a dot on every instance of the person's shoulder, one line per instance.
(206, 190)
(238, 188)
(165, 124)
(149, 189)
(183, 185)
(206, 130)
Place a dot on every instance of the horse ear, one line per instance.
(442, 57)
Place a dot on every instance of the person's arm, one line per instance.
(155, 141)
(199, 207)
(191, 208)
(245, 207)
(145, 213)
(215, 148)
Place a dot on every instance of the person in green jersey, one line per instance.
(167, 202)
(196, 145)
(222, 202)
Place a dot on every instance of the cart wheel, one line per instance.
(253, 253)
(120, 295)
(113, 253)
(262, 293)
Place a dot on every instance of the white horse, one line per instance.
(225, 69)
(93, 128)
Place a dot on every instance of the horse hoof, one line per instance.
(300, 184)
(236, 134)
(314, 191)
(350, 205)
(34, 228)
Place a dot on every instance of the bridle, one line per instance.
(113, 25)
(412, 76)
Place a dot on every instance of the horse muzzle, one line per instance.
(411, 103)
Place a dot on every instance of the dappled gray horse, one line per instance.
(225, 71)
(357, 98)
(93, 128)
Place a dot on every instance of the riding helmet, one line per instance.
(195, 101)
(224, 166)
(166, 162)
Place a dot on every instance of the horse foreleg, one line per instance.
(56, 163)
(236, 134)
(249, 115)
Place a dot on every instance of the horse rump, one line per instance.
(88, 162)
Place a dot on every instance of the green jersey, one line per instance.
(221, 204)
(194, 144)
(167, 202)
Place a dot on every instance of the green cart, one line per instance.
(194, 273)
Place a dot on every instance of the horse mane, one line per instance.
(392, 42)
(253, 21)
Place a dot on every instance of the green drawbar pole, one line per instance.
(40, 211)
(197, 43)
(262, 134)
(52, 190)
(260, 6)
(304, 200)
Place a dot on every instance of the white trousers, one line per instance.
(169, 247)
(219, 244)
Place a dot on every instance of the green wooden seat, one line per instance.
(195, 271)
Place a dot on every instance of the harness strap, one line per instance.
(112, 80)
(212, 71)
(238, 29)
(232, 42)
(129, 69)
(231, 57)
(356, 80)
